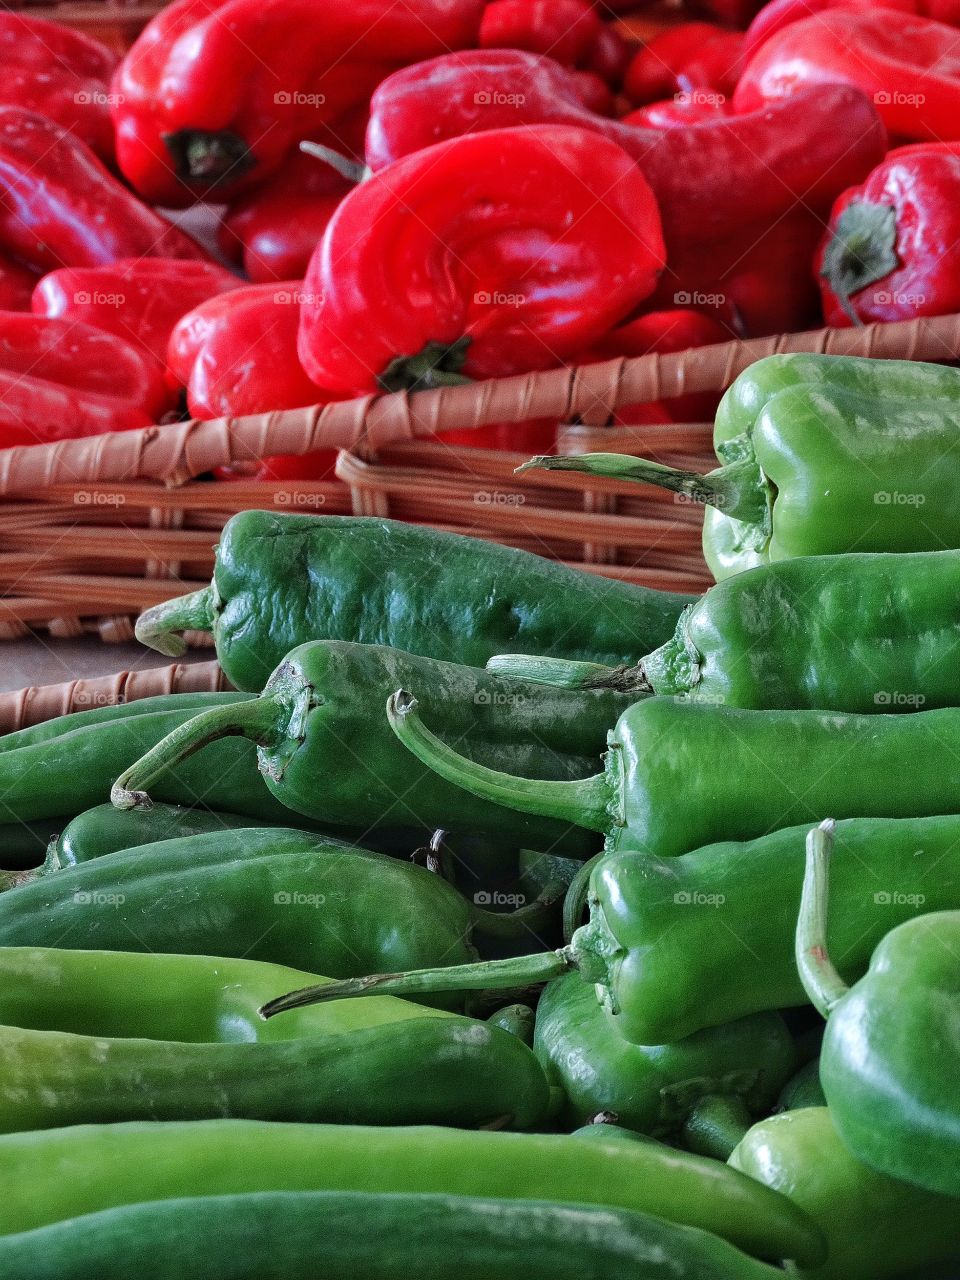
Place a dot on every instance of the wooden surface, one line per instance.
(38, 660)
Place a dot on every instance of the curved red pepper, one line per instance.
(892, 250)
(138, 299)
(489, 254)
(691, 56)
(565, 30)
(780, 13)
(214, 93)
(804, 149)
(59, 207)
(908, 66)
(60, 379)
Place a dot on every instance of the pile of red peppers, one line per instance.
(395, 196)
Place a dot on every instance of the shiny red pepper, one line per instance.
(780, 13)
(691, 56)
(486, 255)
(59, 207)
(139, 299)
(696, 107)
(907, 65)
(892, 249)
(215, 93)
(610, 56)
(60, 379)
(59, 73)
(565, 30)
(710, 179)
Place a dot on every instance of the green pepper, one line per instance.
(876, 1227)
(518, 1019)
(781, 636)
(819, 454)
(271, 1235)
(47, 1174)
(890, 1060)
(737, 1069)
(106, 1035)
(803, 1090)
(323, 750)
(282, 580)
(675, 945)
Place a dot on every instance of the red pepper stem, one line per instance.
(257, 719)
(583, 802)
(736, 489)
(347, 168)
(820, 979)
(157, 627)
(564, 674)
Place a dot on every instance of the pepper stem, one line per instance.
(576, 898)
(256, 719)
(820, 979)
(157, 627)
(208, 157)
(716, 1125)
(583, 802)
(737, 489)
(347, 168)
(14, 879)
(564, 674)
(437, 365)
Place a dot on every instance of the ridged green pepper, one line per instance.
(890, 1061)
(323, 748)
(876, 1227)
(44, 1179)
(282, 580)
(106, 1035)
(288, 1235)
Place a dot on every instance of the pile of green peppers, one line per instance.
(510, 921)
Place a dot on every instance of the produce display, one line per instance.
(498, 919)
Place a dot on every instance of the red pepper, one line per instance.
(565, 30)
(59, 207)
(695, 107)
(60, 379)
(908, 66)
(17, 284)
(539, 435)
(215, 93)
(610, 56)
(892, 250)
(274, 229)
(694, 55)
(139, 299)
(59, 73)
(780, 13)
(708, 178)
(595, 94)
(490, 254)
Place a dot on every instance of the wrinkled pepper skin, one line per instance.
(876, 1226)
(166, 1160)
(268, 1234)
(327, 697)
(92, 1036)
(212, 97)
(463, 245)
(383, 582)
(654, 1089)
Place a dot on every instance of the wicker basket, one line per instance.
(94, 530)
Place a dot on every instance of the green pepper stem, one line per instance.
(820, 979)
(504, 926)
(583, 802)
(14, 879)
(347, 168)
(737, 489)
(257, 719)
(576, 899)
(488, 975)
(564, 674)
(157, 627)
(716, 1125)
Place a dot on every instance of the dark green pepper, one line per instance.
(287, 1235)
(820, 454)
(890, 1061)
(282, 580)
(876, 1227)
(803, 1090)
(324, 750)
(93, 1036)
(53, 1175)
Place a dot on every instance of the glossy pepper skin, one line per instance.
(92, 1036)
(212, 97)
(165, 1160)
(565, 30)
(890, 250)
(61, 378)
(519, 247)
(327, 696)
(906, 64)
(690, 57)
(861, 1212)
(800, 151)
(384, 582)
(62, 208)
(656, 1089)
(780, 13)
(138, 299)
(267, 1235)
(891, 1049)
